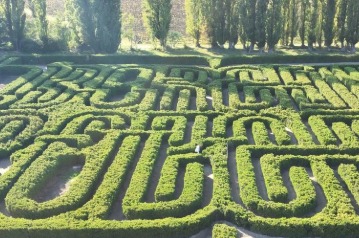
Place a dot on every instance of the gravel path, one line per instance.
(5, 165)
(208, 185)
(314, 137)
(117, 212)
(225, 96)
(244, 233)
(249, 135)
(209, 128)
(188, 132)
(346, 190)
(233, 175)
(156, 173)
(321, 199)
(193, 103)
(6, 79)
(260, 179)
(288, 184)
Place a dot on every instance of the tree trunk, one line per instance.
(291, 42)
(310, 46)
(303, 43)
(343, 48)
(163, 43)
(198, 45)
(251, 47)
(231, 45)
(214, 45)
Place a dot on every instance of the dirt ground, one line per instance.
(6, 79)
(5, 165)
(59, 184)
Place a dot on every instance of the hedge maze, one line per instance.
(109, 150)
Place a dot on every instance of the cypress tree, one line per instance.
(303, 20)
(211, 16)
(341, 21)
(40, 13)
(234, 22)
(15, 21)
(285, 24)
(233, 19)
(221, 18)
(313, 17)
(194, 19)
(293, 20)
(157, 18)
(352, 33)
(99, 23)
(250, 26)
(261, 24)
(274, 23)
(319, 25)
(328, 24)
(108, 25)
(74, 25)
(243, 18)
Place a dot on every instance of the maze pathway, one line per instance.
(109, 150)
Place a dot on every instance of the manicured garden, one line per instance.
(104, 146)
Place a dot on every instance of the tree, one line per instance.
(261, 11)
(285, 24)
(221, 18)
(312, 24)
(108, 25)
(242, 27)
(99, 23)
(15, 21)
(3, 35)
(194, 19)
(341, 21)
(234, 22)
(292, 21)
(303, 20)
(319, 25)
(72, 22)
(352, 33)
(157, 18)
(210, 14)
(250, 26)
(274, 23)
(128, 25)
(328, 24)
(39, 10)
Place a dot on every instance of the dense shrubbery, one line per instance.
(278, 150)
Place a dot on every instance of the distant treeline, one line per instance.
(97, 25)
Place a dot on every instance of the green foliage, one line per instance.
(224, 231)
(98, 23)
(194, 19)
(274, 23)
(15, 21)
(157, 17)
(40, 13)
(278, 154)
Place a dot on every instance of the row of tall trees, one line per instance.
(93, 23)
(96, 24)
(266, 22)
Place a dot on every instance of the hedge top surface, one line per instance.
(108, 150)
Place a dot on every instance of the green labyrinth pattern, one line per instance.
(108, 150)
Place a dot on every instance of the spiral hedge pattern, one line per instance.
(109, 150)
